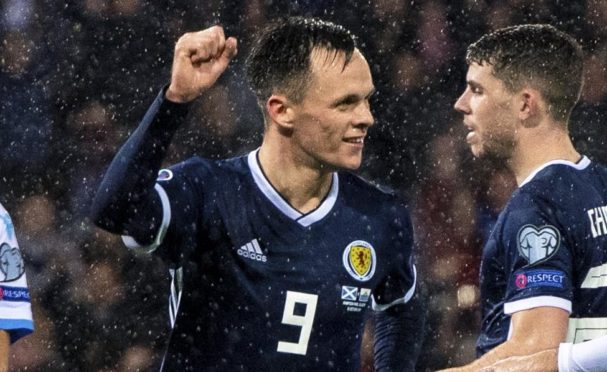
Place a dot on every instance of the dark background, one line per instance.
(76, 77)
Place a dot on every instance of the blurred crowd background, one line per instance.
(76, 77)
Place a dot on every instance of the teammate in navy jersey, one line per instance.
(544, 267)
(15, 307)
(276, 255)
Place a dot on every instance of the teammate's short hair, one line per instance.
(280, 59)
(535, 55)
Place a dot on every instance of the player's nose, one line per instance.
(364, 116)
(461, 105)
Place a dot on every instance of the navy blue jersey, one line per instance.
(265, 287)
(258, 285)
(549, 248)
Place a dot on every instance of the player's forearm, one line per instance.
(533, 330)
(399, 335)
(129, 181)
(508, 349)
(4, 349)
(544, 361)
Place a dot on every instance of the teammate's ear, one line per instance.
(280, 111)
(530, 107)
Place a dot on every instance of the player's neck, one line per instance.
(538, 148)
(302, 186)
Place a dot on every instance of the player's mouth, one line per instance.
(357, 141)
(471, 133)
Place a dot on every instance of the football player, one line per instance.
(277, 254)
(15, 307)
(544, 267)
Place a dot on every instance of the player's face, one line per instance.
(489, 113)
(332, 120)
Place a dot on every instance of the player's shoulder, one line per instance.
(562, 179)
(4, 217)
(5, 222)
(373, 195)
(355, 183)
(561, 186)
(197, 166)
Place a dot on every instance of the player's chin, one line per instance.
(344, 159)
(351, 162)
(477, 150)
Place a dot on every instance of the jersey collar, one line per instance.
(279, 202)
(582, 164)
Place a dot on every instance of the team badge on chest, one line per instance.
(359, 260)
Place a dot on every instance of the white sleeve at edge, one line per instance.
(589, 356)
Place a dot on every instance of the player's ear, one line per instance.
(280, 111)
(531, 106)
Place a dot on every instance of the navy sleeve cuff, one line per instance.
(166, 114)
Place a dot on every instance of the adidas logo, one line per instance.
(252, 251)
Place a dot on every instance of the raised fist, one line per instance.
(199, 59)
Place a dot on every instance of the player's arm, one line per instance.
(533, 330)
(399, 306)
(589, 356)
(399, 335)
(4, 348)
(127, 190)
(544, 361)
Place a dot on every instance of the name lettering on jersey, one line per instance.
(539, 278)
(586, 329)
(598, 221)
(252, 251)
(359, 260)
(538, 244)
(596, 277)
(11, 263)
(354, 299)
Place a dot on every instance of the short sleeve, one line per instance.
(15, 304)
(538, 257)
(179, 196)
(398, 287)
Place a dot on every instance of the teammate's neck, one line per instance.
(539, 148)
(302, 186)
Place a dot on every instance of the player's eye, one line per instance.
(346, 102)
(345, 106)
(475, 89)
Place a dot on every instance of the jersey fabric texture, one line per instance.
(257, 285)
(15, 306)
(549, 248)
